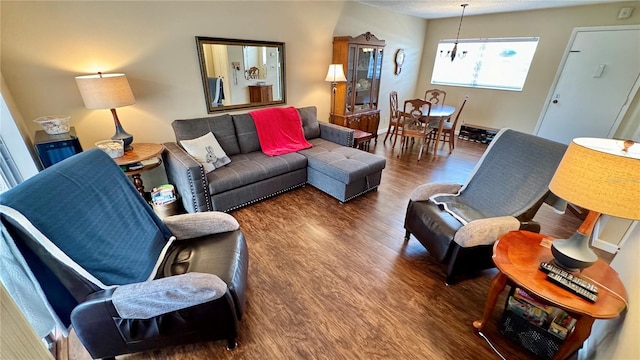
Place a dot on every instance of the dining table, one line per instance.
(435, 119)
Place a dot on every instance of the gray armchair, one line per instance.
(458, 224)
(108, 266)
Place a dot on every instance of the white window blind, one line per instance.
(501, 63)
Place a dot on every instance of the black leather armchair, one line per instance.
(108, 266)
(458, 224)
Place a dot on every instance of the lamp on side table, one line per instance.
(603, 176)
(108, 91)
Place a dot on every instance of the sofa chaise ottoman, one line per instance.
(331, 165)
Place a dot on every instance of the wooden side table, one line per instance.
(518, 255)
(362, 139)
(140, 152)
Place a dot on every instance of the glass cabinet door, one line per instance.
(364, 66)
(376, 78)
(351, 78)
(364, 77)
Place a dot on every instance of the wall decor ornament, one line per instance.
(399, 61)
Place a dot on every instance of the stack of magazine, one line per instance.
(554, 320)
(163, 194)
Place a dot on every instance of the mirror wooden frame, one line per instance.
(233, 74)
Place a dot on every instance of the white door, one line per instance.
(598, 79)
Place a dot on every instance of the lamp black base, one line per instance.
(574, 253)
(126, 138)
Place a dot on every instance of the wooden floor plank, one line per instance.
(338, 281)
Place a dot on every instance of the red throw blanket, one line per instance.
(279, 130)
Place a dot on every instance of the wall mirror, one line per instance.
(240, 74)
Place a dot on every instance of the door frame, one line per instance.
(609, 244)
(567, 51)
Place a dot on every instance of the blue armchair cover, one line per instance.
(105, 263)
(127, 239)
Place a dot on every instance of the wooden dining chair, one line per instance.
(411, 124)
(393, 116)
(435, 96)
(448, 130)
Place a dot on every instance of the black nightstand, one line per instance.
(55, 148)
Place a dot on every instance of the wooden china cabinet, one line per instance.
(357, 99)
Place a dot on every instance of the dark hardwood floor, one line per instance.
(338, 281)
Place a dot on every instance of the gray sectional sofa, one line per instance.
(331, 165)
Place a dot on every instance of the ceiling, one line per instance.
(435, 9)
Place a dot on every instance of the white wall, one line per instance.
(46, 44)
(520, 110)
(618, 338)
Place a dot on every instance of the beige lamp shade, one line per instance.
(335, 73)
(601, 175)
(105, 91)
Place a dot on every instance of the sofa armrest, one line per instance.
(337, 134)
(188, 177)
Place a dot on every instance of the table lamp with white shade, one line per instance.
(602, 176)
(108, 91)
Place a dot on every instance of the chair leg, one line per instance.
(421, 148)
(231, 344)
(393, 135)
(452, 145)
(450, 280)
(389, 131)
(429, 138)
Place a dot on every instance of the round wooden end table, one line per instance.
(140, 152)
(518, 255)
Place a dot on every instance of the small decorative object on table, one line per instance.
(54, 124)
(113, 148)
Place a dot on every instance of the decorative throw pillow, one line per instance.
(207, 151)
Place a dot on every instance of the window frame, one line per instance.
(473, 70)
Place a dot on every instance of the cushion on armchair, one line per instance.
(485, 231)
(152, 298)
(425, 191)
(189, 226)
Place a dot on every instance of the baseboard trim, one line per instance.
(605, 246)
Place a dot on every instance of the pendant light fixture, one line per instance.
(454, 51)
